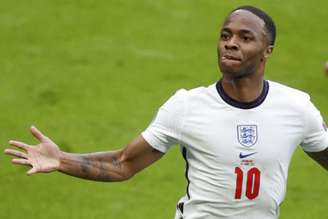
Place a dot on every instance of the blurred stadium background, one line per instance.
(91, 74)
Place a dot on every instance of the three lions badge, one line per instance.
(247, 135)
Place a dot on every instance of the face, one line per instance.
(243, 46)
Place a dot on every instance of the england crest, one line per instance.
(247, 135)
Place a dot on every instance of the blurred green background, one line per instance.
(91, 75)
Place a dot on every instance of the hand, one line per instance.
(43, 157)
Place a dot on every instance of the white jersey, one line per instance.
(237, 154)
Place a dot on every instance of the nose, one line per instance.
(231, 44)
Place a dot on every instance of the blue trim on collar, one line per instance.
(243, 105)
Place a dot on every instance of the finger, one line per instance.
(15, 153)
(32, 171)
(37, 133)
(21, 161)
(19, 144)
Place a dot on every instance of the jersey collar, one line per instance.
(243, 105)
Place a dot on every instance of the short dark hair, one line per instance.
(269, 23)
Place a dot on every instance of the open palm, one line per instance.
(43, 157)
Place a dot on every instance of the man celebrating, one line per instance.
(237, 135)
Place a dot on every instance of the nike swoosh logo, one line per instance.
(241, 156)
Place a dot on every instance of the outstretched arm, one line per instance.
(108, 166)
(320, 157)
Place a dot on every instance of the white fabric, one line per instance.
(207, 127)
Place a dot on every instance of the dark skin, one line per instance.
(320, 157)
(243, 49)
(107, 166)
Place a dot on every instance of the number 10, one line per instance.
(252, 183)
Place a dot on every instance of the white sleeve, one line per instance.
(316, 135)
(165, 129)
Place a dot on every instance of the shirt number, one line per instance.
(252, 183)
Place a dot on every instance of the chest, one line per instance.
(227, 135)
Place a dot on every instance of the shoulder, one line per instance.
(289, 94)
(284, 89)
(186, 98)
(293, 100)
(203, 92)
(189, 94)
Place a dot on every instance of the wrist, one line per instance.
(61, 158)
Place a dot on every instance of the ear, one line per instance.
(268, 51)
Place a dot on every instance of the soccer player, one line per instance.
(237, 135)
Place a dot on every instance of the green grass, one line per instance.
(92, 74)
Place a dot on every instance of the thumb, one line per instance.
(31, 171)
(37, 133)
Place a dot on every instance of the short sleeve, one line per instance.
(316, 135)
(165, 129)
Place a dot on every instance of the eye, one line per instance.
(246, 38)
(225, 36)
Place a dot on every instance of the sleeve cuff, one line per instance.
(150, 139)
(318, 147)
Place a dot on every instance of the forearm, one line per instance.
(100, 166)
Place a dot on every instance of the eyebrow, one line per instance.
(244, 31)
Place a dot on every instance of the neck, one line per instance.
(245, 89)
